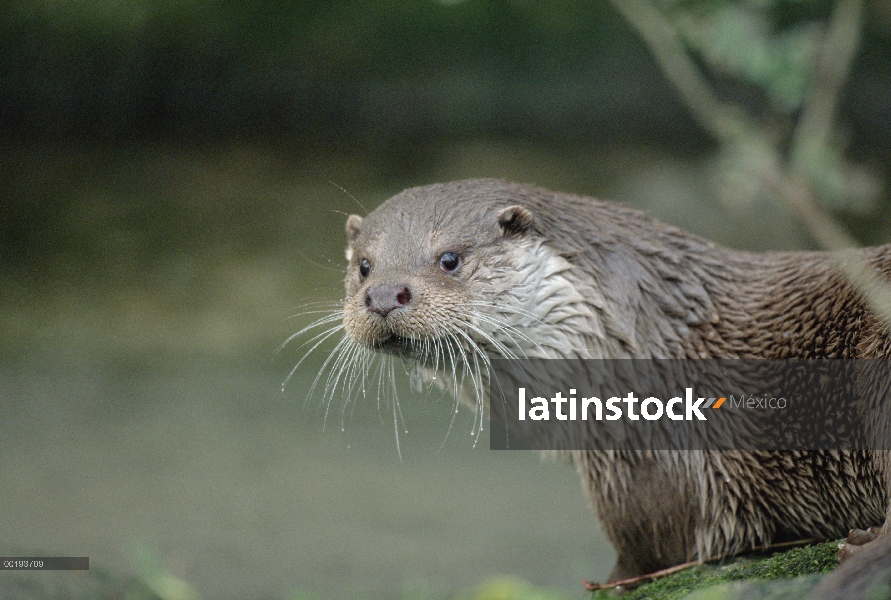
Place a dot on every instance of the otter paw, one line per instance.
(855, 542)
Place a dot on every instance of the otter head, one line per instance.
(422, 265)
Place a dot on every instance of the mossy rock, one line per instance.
(788, 575)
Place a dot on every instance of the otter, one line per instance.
(461, 271)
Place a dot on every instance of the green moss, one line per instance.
(802, 563)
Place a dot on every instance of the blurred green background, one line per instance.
(174, 176)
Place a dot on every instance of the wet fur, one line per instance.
(592, 279)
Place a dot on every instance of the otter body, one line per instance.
(453, 271)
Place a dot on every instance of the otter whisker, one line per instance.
(335, 353)
(452, 347)
(395, 402)
(507, 308)
(582, 349)
(511, 332)
(439, 344)
(479, 413)
(448, 341)
(472, 344)
(504, 350)
(302, 309)
(321, 339)
(352, 372)
(439, 355)
(321, 311)
(337, 356)
(356, 376)
(318, 323)
(475, 370)
(361, 365)
(348, 369)
(316, 336)
(475, 374)
(315, 303)
(401, 418)
(332, 318)
(492, 305)
(368, 357)
(382, 363)
(341, 364)
(327, 308)
(353, 363)
(455, 348)
(386, 366)
(508, 330)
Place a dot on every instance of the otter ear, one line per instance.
(353, 227)
(515, 220)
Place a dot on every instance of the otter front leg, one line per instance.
(642, 507)
(859, 540)
(873, 385)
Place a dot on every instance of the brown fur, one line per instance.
(591, 279)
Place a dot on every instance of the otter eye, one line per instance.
(364, 268)
(449, 262)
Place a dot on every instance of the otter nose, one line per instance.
(385, 297)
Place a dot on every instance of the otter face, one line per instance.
(451, 275)
(418, 268)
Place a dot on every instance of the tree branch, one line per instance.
(723, 121)
(834, 60)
